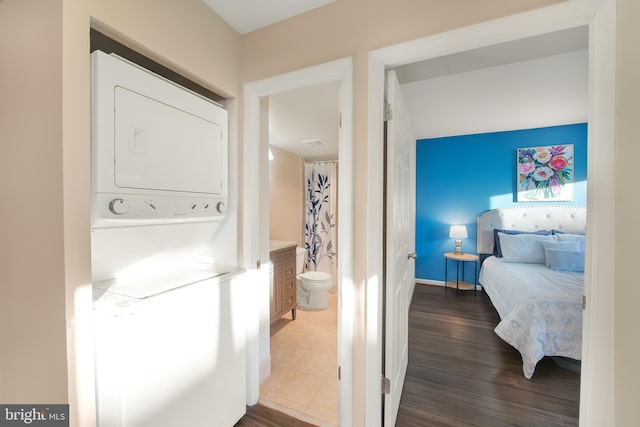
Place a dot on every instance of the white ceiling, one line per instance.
(545, 45)
(533, 82)
(306, 114)
(542, 92)
(249, 15)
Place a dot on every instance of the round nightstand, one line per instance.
(460, 284)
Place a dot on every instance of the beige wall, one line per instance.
(286, 196)
(627, 290)
(33, 358)
(352, 28)
(44, 149)
(76, 193)
(183, 35)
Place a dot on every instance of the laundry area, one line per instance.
(168, 326)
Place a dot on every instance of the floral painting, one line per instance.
(545, 173)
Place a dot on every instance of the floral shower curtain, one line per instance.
(320, 216)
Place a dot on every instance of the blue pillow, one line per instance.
(497, 251)
(572, 245)
(558, 259)
(579, 239)
(523, 247)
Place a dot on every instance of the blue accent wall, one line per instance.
(459, 177)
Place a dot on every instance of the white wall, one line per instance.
(530, 94)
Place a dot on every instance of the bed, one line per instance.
(531, 271)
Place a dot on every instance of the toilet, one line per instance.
(312, 286)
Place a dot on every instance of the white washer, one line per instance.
(173, 358)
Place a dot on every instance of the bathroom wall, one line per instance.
(286, 196)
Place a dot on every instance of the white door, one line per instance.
(399, 244)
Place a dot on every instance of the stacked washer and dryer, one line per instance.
(168, 321)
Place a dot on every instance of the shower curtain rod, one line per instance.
(322, 161)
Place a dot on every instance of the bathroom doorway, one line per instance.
(303, 128)
(319, 333)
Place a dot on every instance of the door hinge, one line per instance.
(584, 302)
(385, 385)
(258, 264)
(339, 372)
(340, 120)
(388, 112)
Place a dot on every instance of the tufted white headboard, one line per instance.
(570, 219)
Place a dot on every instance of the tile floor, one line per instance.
(304, 358)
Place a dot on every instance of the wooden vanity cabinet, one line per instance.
(283, 284)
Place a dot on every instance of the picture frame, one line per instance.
(545, 173)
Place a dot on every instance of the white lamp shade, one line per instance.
(458, 232)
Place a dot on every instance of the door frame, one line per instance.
(597, 388)
(256, 224)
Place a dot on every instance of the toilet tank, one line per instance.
(300, 254)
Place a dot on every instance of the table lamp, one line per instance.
(458, 232)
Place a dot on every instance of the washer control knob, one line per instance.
(118, 206)
(221, 207)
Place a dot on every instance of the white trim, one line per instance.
(265, 369)
(596, 399)
(253, 219)
(597, 388)
(256, 284)
(375, 224)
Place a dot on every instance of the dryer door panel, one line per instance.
(159, 147)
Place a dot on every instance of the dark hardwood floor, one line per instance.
(262, 416)
(462, 374)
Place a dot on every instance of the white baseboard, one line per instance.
(430, 282)
(436, 283)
